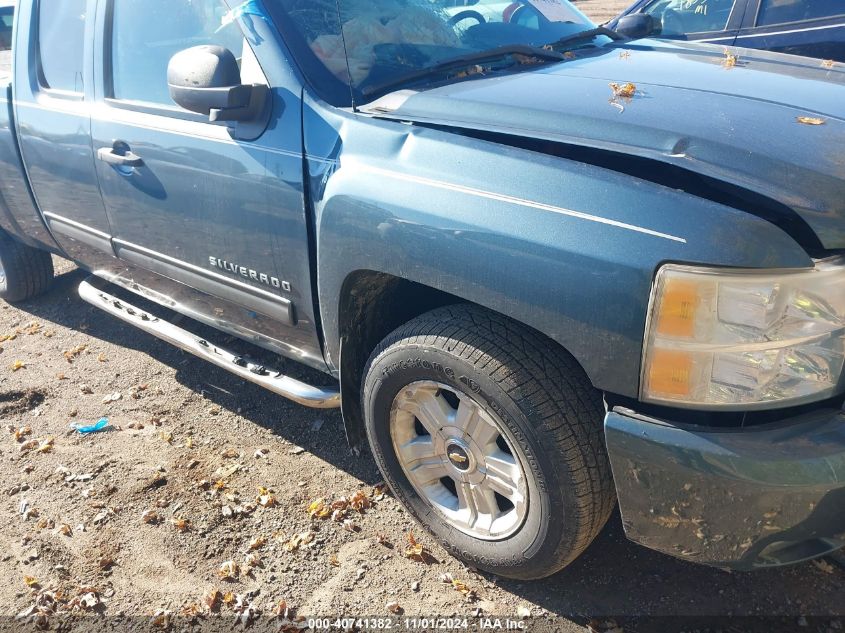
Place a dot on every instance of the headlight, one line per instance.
(745, 339)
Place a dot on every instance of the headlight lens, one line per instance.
(741, 339)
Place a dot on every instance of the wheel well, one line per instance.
(372, 305)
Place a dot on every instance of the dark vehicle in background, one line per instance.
(813, 28)
(538, 267)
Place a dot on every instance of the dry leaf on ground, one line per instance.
(228, 570)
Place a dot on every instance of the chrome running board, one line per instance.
(299, 392)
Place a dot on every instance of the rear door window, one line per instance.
(147, 33)
(784, 11)
(61, 44)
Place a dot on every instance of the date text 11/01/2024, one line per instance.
(386, 624)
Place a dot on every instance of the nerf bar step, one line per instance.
(299, 392)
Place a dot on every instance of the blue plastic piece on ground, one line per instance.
(99, 426)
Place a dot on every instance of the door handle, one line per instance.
(120, 156)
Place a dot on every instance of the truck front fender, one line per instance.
(567, 248)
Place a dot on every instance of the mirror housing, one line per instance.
(207, 80)
(636, 25)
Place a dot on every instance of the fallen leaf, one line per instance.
(394, 607)
(166, 436)
(152, 517)
(65, 530)
(181, 524)
(113, 397)
(61, 376)
(624, 91)
(105, 562)
(28, 446)
(189, 442)
(30, 581)
(416, 550)
(333, 561)
(811, 120)
(265, 498)
(298, 540)
(257, 543)
(824, 566)
(380, 491)
(212, 599)
(45, 446)
(71, 354)
(102, 358)
(228, 570)
(667, 522)
(319, 510)
(18, 364)
(22, 433)
(730, 60)
(230, 453)
(161, 619)
(828, 63)
(359, 501)
(254, 560)
(463, 589)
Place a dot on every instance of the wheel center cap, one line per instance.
(458, 456)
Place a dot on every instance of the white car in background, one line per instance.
(524, 12)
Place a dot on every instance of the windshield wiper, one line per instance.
(591, 34)
(464, 61)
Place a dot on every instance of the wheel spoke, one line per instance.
(432, 411)
(474, 424)
(417, 449)
(428, 470)
(504, 476)
(479, 504)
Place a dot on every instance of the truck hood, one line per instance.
(740, 124)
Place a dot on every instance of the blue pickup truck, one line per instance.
(542, 267)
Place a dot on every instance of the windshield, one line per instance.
(368, 44)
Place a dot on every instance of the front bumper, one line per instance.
(733, 498)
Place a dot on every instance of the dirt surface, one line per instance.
(203, 451)
(198, 469)
(601, 11)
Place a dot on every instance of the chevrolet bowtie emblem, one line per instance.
(457, 458)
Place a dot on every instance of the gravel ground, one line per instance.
(144, 516)
(201, 474)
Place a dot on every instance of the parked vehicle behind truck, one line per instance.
(541, 268)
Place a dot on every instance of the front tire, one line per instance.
(25, 272)
(492, 438)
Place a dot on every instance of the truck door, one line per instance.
(53, 95)
(223, 217)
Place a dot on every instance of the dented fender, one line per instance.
(567, 248)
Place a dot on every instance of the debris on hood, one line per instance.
(810, 120)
